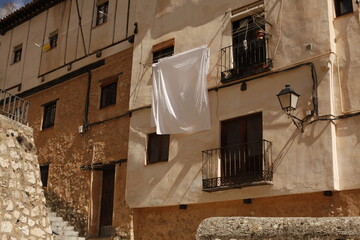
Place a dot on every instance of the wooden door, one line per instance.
(241, 146)
(107, 200)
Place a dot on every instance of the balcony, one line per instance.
(238, 166)
(13, 107)
(243, 60)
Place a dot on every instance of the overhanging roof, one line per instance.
(25, 13)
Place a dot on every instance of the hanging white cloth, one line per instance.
(180, 101)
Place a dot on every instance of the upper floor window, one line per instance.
(53, 39)
(343, 7)
(166, 52)
(17, 54)
(102, 12)
(49, 114)
(164, 49)
(248, 53)
(108, 94)
(158, 148)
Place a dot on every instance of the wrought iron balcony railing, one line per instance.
(237, 166)
(13, 107)
(242, 60)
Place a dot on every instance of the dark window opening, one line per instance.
(17, 54)
(248, 54)
(49, 115)
(343, 7)
(108, 95)
(166, 52)
(102, 13)
(44, 172)
(158, 148)
(53, 40)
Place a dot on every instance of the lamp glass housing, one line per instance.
(288, 99)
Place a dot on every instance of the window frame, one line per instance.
(108, 98)
(338, 10)
(49, 114)
(163, 49)
(162, 146)
(102, 11)
(17, 54)
(53, 40)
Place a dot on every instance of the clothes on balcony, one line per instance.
(180, 96)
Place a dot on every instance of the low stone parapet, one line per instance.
(23, 213)
(266, 228)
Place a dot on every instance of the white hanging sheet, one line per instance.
(180, 101)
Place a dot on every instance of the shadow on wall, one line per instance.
(67, 212)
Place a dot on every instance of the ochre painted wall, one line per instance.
(176, 224)
(66, 150)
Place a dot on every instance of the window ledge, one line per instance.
(237, 186)
(101, 24)
(345, 14)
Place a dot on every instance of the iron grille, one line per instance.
(242, 60)
(13, 107)
(237, 166)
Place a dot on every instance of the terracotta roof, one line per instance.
(25, 13)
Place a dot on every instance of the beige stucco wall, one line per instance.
(346, 68)
(304, 162)
(63, 17)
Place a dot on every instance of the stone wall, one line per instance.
(246, 228)
(70, 190)
(23, 213)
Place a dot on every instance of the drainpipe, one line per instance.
(87, 102)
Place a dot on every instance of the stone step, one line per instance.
(64, 231)
(55, 219)
(61, 229)
(59, 224)
(68, 238)
(52, 214)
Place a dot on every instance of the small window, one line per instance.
(53, 38)
(108, 95)
(158, 148)
(49, 114)
(343, 7)
(102, 12)
(44, 172)
(17, 54)
(166, 52)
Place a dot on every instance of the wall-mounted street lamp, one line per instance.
(288, 99)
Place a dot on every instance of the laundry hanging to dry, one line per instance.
(180, 101)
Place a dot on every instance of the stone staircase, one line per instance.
(61, 229)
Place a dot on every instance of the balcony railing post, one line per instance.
(238, 61)
(237, 166)
(13, 107)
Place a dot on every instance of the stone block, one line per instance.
(6, 227)
(246, 228)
